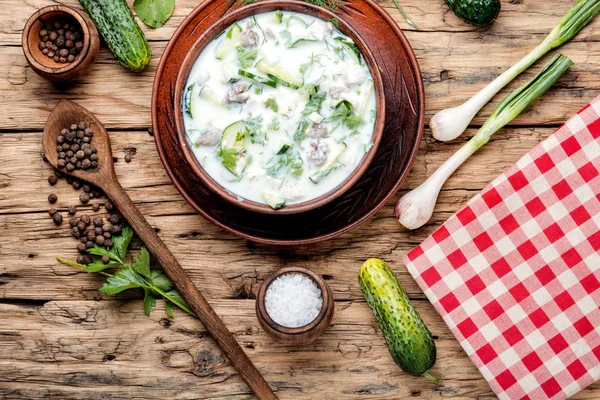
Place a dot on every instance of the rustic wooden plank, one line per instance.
(88, 350)
(76, 348)
(93, 350)
(456, 61)
(222, 265)
(536, 16)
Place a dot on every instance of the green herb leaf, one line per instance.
(169, 308)
(272, 104)
(343, 111)
(288, 160)
(314, 103)
(121, 242)
(279, 16)
(98, 266)
(149, 302)
(123, 279)
(160, 280)
(273, 125)
(246, 56)
(229, 158)
(300, 133)
(142, 264)
(174, 297)
(353, 121)
(154, 13)
(102, 251)
(154, 282)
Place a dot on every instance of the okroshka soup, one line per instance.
(280, 108)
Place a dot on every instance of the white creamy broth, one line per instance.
(280, 108)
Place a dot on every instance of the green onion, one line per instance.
(406, 17)
(415, 208)
(450, 123)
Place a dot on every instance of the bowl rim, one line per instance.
(56, 9)
(210, 34)
(261, 305)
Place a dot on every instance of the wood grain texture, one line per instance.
(60, 338)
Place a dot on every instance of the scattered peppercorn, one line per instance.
(52, 211)
(105, 259)
(52, 198)
(114, 219)
(109, 206)
(115, 229)
(127, 158)
(57, 218)
(72, 210)
(52, 180)
(84, 259)
(84, 198)
(98, 222)
(81, 248)
(96, 206)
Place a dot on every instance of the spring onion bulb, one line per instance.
(450, 123)
(415, 208)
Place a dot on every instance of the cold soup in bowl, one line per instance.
(280, 109)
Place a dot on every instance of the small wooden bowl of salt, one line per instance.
(294, 305)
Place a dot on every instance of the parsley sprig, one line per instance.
(138, 274)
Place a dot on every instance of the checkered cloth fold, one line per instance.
(516, 272)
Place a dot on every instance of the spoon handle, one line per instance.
(190, 292)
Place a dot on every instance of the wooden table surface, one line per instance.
(61, 338)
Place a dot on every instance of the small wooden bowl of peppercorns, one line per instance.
(60, 43)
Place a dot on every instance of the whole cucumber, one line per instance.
(476, 12)
(120, 31)
(408, 338)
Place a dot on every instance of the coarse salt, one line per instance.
(293, 300)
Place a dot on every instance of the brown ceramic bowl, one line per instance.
(304, 334)
(211, 34)
(45, 66)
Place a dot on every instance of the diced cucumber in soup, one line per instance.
(273, 200)
(228, 44)
(280, 74)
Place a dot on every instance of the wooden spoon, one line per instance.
(66, 113)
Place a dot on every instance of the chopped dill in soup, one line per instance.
(280, 108)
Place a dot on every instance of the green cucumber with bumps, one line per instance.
(120, 31)
(408, 339)
(476, 12)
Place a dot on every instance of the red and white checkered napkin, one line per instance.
(515, 273)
